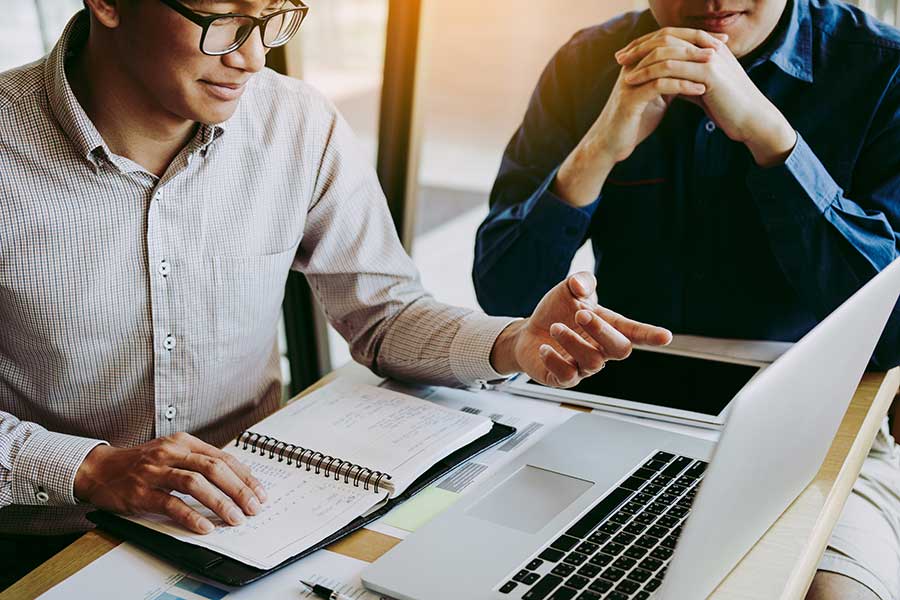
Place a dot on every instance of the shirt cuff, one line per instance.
(797, 190)
(553, 219)
(470, 351)
(43, 471)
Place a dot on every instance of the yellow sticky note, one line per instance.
(420, 509)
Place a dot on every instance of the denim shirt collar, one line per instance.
(791, 49)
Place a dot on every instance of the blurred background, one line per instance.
(475, 65)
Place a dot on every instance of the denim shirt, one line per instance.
(688, 232)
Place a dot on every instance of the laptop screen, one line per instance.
(679, 382)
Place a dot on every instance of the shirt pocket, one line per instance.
(250, 292)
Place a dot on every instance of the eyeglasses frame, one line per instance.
(205, 21)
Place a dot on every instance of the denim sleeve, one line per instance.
(827, 244)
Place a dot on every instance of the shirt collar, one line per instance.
(65, 106)
(791, 48)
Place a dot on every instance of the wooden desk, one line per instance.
(780, 566)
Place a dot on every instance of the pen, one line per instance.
(323, 592)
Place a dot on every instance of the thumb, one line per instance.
(582, 284)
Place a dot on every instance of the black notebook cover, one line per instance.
(231, 572)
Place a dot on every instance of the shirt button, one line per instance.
(169, 342)
(42, 496)
(164, 268)
(710, 126)
(171, 411)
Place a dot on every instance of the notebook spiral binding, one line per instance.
(321, 464)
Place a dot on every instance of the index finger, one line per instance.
(637, 332)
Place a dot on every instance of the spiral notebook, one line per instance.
(329, 462)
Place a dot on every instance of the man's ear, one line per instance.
(106, 12)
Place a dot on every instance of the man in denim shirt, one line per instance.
(736, 172)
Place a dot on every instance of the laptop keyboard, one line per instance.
(620, 548)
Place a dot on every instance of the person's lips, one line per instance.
(717, 22)
(224, 90)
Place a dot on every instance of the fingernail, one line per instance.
(260, 493)
(235, 516)
(255, 507)
(205, 526)
(544, 350)
(556, 329)
(583, 317)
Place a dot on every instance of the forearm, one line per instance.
(582, 175)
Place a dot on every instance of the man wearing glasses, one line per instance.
(158, 185)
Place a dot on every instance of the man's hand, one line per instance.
(141, 479)
(731, 99)
(630, 115)
(569, 337)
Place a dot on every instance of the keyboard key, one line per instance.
(658, 532)
(653, 584)
(636, 552)
(563, 570)
(565, 543)
(661, 553)
(628, 587)
(599, 537)
(563, 593)
(531, 578)
(670, 541)
(613, 573)
(601, 510)
(663, 456)
(600, 559)
(652, 489)
(657, 508)
(667, 521)
(535, 564)
(589, 595)
(590, 571)
(508, 587)
(647, 541)
(635, 528)
(678, 512)
(521, 575)
(600, 585)
(642, 595)
(542, 588)
(551, 555)
(645, 518)
(650, 564)
(676, 489)
(654, 464)
(642, 498)
(696, 470)
(620, 518)
(669, 499)
(587, 548)
(614, 595)
(575, 558)
(640, 575)
(677, 466)
(610, 527)
(631, 508)
(577, 582)
(645, 474)
(624, 563)
(624, 538)
(613, 548)
(632, 483)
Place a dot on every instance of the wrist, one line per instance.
(88, 474)
(503, 354)
(582, 175)
(773, 141)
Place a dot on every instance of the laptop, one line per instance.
(601, 508)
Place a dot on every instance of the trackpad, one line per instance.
(529, 499)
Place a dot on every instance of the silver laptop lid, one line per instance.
(776, 437)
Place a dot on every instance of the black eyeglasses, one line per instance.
(226, 33)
